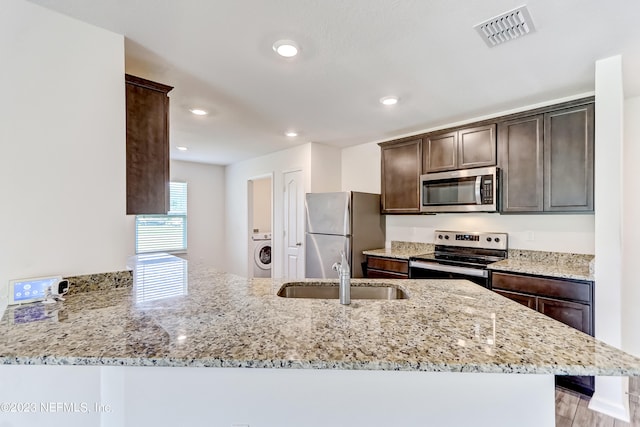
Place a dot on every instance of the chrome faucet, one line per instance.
(344, 274)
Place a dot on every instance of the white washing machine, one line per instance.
(261, 254)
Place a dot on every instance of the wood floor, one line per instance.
(572, 410)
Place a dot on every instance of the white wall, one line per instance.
(205, 211)
(562, 233)
(361, 168)
(608, 200)
(236, 207)
(321, 173)
(631, 227)
(325, 168)
(609, 397)
(173, 396)
(556, 233)
(62, 130)
(262, 205)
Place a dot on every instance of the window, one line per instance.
(165, 233)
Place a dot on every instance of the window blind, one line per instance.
(165, 233)
(159, 276)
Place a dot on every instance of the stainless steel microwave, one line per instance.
(467, 190)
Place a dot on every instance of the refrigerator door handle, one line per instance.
(347, 219)
(347, 251)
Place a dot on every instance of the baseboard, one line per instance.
(618, 409)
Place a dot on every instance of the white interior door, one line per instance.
(293, 225)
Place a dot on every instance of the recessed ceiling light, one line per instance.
(182, 148)
(291, 133)
(198, 112)
(389, 100)
(286, 48)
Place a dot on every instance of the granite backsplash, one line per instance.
(100, 281)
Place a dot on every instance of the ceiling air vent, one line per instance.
(505, 27)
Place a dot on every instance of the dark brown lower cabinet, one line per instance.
(576, 315)
(567, 301)
(526, 300)
(387, 268)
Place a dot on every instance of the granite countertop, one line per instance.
(221, 320)
(578, 272)
(402, 250)
(550, 264)
(404, 254)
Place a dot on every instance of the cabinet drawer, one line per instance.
(526, 300)
(381, 274)
(574, 314)
(388, 264)
(542, 286)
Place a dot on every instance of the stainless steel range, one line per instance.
(460, 255)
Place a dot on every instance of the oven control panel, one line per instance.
(472, 239)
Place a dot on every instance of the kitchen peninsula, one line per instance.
(450, 338)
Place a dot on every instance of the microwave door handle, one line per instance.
(479, 190)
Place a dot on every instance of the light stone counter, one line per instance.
(223, 320)
(550, 264)
(402, 250)
(394, 253)
(577, 272)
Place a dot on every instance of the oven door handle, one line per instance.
(478, 190)
(434, 266)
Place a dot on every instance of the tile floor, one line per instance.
(572, 410)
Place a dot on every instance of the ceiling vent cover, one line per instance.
(505, 27)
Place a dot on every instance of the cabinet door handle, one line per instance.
(299, 244)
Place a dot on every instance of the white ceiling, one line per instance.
(218, 56)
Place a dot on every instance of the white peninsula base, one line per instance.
(90, 396)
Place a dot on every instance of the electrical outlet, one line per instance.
(530, 236)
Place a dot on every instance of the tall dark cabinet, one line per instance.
(547, 161)
(147, 146)
(568, 159)
(521, 158)
(401, 168)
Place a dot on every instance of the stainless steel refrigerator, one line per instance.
(347, 221)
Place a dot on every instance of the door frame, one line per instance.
(249, 228)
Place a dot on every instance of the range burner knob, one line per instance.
(446, 237)
(489, 239)
(440, 236)
(497, 240)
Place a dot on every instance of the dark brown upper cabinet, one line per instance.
(147, 146)
(520, 154)
(401, 170)
(440, 152)
(568, 159)
(547, 161)
(460, 149)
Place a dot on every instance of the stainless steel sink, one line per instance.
(330, 291)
